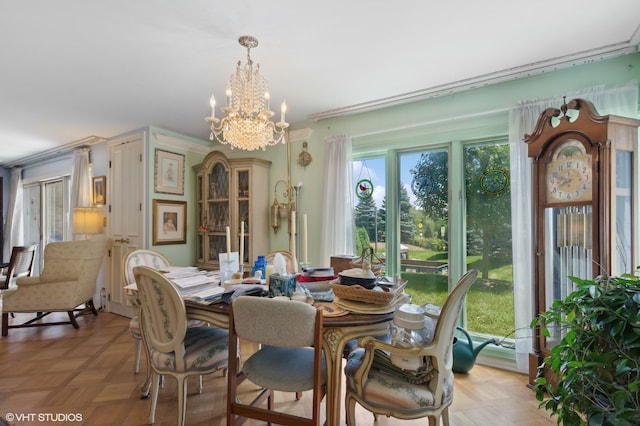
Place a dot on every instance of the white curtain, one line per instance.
(81, 189)
(522, 120)
(338, 223)
(14, 226)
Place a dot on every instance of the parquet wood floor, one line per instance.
(58, 372)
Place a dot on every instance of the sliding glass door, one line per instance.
(453, 214)
(46, 213)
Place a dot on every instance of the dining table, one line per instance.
(336, 332)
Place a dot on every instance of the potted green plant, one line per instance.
(593, 374)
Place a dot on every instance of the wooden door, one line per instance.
(125, 195)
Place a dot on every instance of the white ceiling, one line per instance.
(70, 69)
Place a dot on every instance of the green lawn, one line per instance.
(489, 302)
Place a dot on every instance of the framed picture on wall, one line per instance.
(99, 190)
(169, 222)
(169, 172)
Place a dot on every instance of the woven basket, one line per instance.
(360, 294)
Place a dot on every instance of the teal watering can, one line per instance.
(464, 354)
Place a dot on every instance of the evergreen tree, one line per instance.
(365, 217)
(407, 224)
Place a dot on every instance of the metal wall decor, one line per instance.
(494, 181)
(304, 158)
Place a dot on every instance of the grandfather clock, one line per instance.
(584, 204)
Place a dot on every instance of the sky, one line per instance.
(374, 170)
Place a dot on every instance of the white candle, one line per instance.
(304, 238)
(292, 236)
(241, 242)
(283, 110)
(212, 102)
(228, 243)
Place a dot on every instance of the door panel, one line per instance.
(126, 227)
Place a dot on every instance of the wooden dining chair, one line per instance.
(374, 382)
(290, 358)
(290, 259)
(20, 264)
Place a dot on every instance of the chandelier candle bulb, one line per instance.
(283, 110)
(212, 102)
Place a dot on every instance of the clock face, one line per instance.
(569, 174)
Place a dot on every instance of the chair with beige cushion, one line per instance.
(290, 358)
(140, 257)
(374, 382)
(175, 349)
(68, 280)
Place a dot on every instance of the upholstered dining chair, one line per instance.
(20, 265)
(292, 262)
(175, 349)
(140, 257)
(67, 284)
(374, 382)
(290, 358)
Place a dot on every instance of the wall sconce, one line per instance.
(282, 210)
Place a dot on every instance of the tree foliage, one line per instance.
(488, 215)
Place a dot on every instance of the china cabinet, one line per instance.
(230, 192)
(584, 205)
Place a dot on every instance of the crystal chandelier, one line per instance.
(247, 123)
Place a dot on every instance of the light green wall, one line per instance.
(472, 114)
(180, 254)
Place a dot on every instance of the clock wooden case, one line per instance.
(584, 214)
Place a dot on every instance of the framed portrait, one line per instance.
(169, 222)
(169, 172)
(99, 190)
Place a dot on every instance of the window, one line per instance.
(46, 213)
(454, 214)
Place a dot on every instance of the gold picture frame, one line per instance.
(169, 172)
(99, 185)
(169, 222)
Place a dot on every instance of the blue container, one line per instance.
(260, 265)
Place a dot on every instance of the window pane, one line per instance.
(53, 212)
(370, 210)
(423, 224)
(488, 236)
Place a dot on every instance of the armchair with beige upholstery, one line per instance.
(68, 280)
(382, 388)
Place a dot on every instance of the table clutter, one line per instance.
(358, 290)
